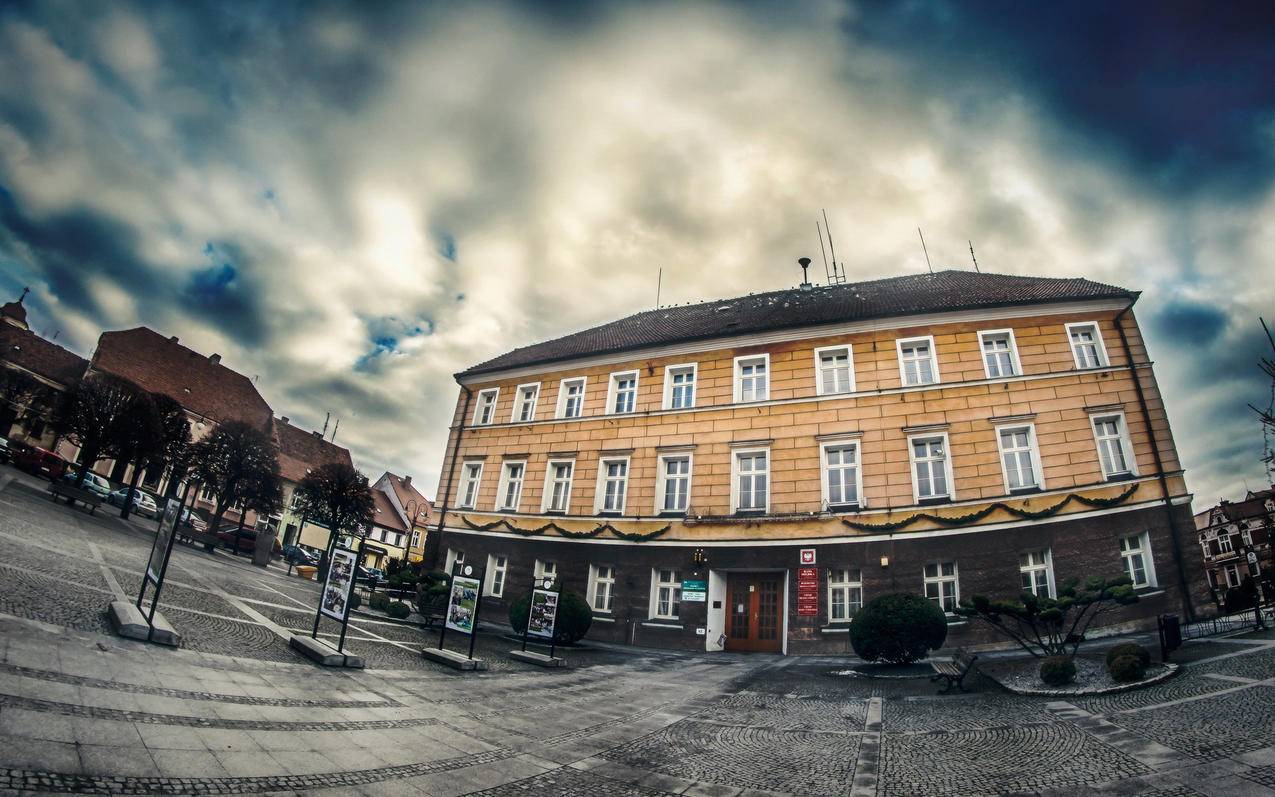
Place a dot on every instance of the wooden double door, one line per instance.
(753, 620)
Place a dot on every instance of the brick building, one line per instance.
(1228, 532)
(946, 434)
(25, 414)
(299, 453)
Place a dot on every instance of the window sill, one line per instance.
(1025, 491)
(1121, 477)
(836, 508)
(673, 513)
(749, 513)
(934, 501)
(835, 629)
(597, 618)
(657, 624)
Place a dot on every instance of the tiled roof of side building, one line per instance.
(406, 491)
(301, 451)
(33, 353)
(385, 515)
(913, 294)
(199, 383)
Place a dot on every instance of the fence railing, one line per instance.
(1226, 624)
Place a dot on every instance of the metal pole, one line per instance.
(478, 602)
(163, 571)
(442, 630)
(345, 615)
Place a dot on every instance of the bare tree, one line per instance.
(89, 415)
(139, 438)
(18, 390)
(230, 460)
(1267, 415)
(337, 496)
(175, 439)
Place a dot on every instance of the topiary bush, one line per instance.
(570, 624)
(399, 610)
(379, 601)
(1058, 670)
(1129, 649)
(1127, 669)
(898, 628)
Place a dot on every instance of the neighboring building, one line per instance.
(299, 453)
(412, 510)
(948, 434)
(1228, 532)
(50, 365)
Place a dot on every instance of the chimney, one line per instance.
(316, 434)
(173, 339)
(407, 480)
(283, 419)
(215, 359)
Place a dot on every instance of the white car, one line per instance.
(143, 504)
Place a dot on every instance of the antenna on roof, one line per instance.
(835, 278)
(659, 283)
(334, 428)
(325, 425)
(975, 259)
(823, 251)
(926, 251)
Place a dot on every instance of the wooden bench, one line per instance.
(73, 494)
(954, 670)
(188, 534)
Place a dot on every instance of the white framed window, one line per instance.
(416, 539)
(673, 487)
(622, 393)
(1087, 347)
(557, 494)
(679, 386)
(1114, 450)
(918, 363)
(471, 477)
(931, 468)
(1000, 353)
(509, 492)
(497, 566)
(834, 370)
(1036, 571)
(454, 557)
(485, 410)
(845, 594)
(1232, 575)
(1135, 552)
(545, 569)
(1020, 458)
(752, 378)
(525, 398)
(613, 485)
(601, 587)
(571, 397)
(842, 475)
(1246, 536)
(666, 594)
(942, 585)
(750, 485)
(1224, 544)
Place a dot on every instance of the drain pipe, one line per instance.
(431, 551)
(1187, 606)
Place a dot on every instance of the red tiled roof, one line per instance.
(406, 491)
(385, 515)
(301, 451)
(162, 365)
(912, 294)
(39, 356)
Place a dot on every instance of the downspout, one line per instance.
(431, 555)
(1187, 606)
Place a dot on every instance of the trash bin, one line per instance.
(1170, 635)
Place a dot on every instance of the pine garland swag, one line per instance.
(575, 535)
(973, 517)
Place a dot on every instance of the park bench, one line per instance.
(197, 538)
(954, 670)
(73, 494)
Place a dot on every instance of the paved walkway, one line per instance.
(83, 711)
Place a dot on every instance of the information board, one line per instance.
(543, 613)
(462, 607)
(335, 601)
(807, 592)
(694, 590)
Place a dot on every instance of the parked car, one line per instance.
(94, 483)
(143, 503)
(6, 453)
(247, 539)
(194, 521)
(296, 555)
(41, 462)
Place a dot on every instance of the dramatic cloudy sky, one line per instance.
(355, 202)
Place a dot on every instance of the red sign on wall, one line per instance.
(807, 592)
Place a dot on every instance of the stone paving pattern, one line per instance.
(236, 711)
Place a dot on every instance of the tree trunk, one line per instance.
(218, 508)
(132, 490)
(239, 531)
(88, 458)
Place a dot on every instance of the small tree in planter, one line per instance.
(570, 623)
(898, 628)
(1047, 627)
(338, 497)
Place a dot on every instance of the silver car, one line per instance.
(143, 504)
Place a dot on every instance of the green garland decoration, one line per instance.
(575, 535)
(973, 517)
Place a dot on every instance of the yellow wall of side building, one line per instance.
(1051, 394)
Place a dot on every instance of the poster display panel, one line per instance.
(336, 589)
(462, 604)
(543, 613)
(163, 538)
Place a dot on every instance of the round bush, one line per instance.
(356, 600)
(1129, 649)
(399, 610)
(379, 601)
(1058, 670)
(1126, 669)
(898, 628)
(570, 624)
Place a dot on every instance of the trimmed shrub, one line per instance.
(1126, 669)
(399, 610)
(1058, 670)
(1129, 649)
(356, 600)
(379, 601)
(898, 628)
(570, 624)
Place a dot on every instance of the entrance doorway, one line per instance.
(753, 621)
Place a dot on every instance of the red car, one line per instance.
(247, 540)
(41, 462)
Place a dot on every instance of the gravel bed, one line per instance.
(1023, 677)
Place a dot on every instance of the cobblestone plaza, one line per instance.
(236, 711)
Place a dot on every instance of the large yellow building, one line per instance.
(746, 473)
